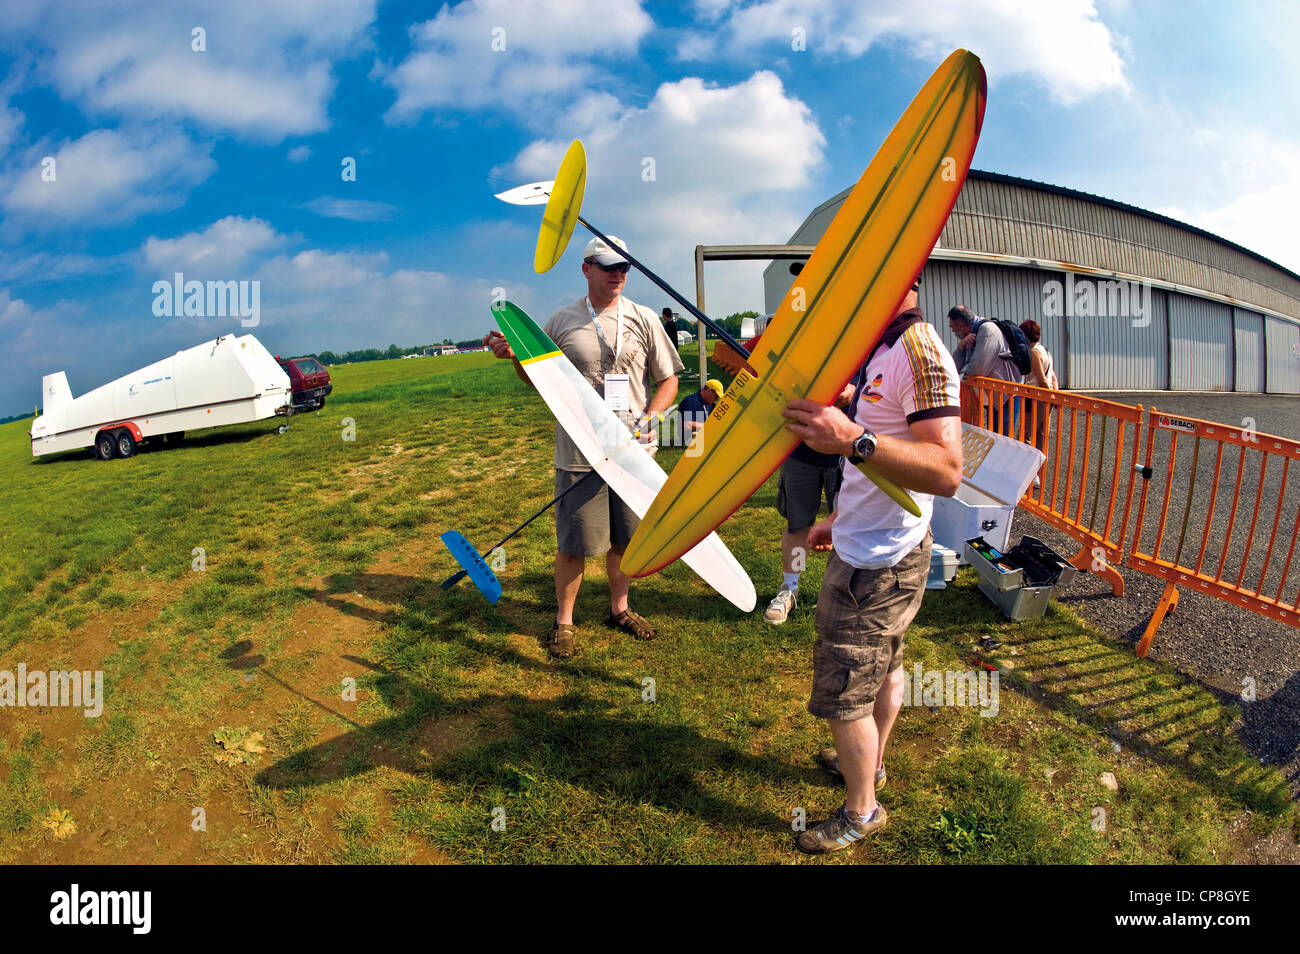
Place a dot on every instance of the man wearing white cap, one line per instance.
(621, 348)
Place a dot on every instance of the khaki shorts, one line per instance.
(591, 519)
(862, 616)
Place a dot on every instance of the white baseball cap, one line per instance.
(602, 253)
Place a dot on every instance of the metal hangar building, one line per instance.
(1128, 299)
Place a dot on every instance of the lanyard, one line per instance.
(618, 341)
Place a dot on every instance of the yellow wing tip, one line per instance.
(540, 357)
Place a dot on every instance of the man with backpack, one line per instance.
(988, 348)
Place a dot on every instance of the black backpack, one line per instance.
(1017, 344)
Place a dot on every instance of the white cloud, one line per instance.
(311, 299)
(1063, 44)
(314, 298)
(550, 49)
(38, 341)
(299, 154)
(106, 176)
(711, 10)
(356, 210)
(1251, 189)
(11, 121)
(732, 165)
(13, 310)
(43, 266)
(265, 72)
(1262, 221)
(223, 248)
(695, 47)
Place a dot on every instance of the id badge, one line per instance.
(618, 392)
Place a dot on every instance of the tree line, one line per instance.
(731, 323)
(392, 351)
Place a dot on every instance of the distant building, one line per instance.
(1127, 299)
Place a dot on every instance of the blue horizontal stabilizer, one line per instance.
(474, 565)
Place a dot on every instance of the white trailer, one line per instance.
(225, 381)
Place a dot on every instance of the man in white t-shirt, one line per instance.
(906, 420)
(622, 349)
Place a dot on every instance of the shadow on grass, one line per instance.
(420, 596)
(509, 740)
(424, 593)
(1150, 701)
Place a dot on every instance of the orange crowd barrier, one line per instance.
(1219, 527)
(1240, 508)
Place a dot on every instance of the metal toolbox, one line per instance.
(1019, 582)
(1023, 602)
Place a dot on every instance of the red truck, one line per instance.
(310, 381)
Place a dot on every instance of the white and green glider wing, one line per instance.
(611, 449)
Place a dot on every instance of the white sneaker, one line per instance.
(780, 607)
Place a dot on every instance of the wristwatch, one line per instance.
(863, 447)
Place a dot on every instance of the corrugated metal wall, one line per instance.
(1126, 350)
(777, 280)
(990, 291)
(1283, 339)
(1187, 342)
(1029, 220)
(1248, 347)
(1200, 344)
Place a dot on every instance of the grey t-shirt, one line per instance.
(646, 356)
(990, 357)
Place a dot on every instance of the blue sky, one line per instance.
(225, 163)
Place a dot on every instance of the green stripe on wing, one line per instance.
(530, 342)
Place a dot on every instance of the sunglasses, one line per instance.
(623, 267)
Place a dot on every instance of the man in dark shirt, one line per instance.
(670, 324)
(806, 476)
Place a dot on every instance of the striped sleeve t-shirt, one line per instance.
(913, 380)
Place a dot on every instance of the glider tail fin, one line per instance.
(55, 393)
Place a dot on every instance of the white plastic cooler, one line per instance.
(996, 472)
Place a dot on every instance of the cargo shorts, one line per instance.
(799, 492)
(862, 616)
(592, 518)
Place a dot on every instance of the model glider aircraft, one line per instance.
(612, 450)
(563, 199)
(834, 313)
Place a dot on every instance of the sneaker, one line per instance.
(780, 607)
(829, 760)
(841, 830)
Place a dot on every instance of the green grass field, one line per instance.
(321, 567)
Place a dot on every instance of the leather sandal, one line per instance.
(562, 641)
(632, 623)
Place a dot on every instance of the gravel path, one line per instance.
(1216, 643)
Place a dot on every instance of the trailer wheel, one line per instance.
(282, 429)
(125, 443)
(105, 445)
